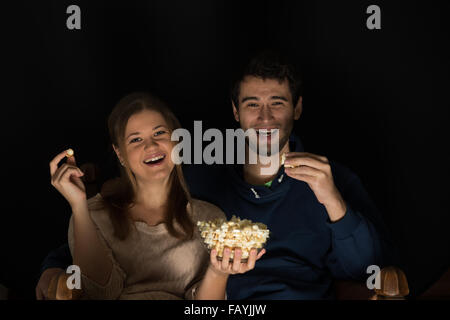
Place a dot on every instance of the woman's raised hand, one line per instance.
(66, 179)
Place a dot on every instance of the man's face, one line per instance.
(267, 104)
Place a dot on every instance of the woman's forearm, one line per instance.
(89, 253)
(213, 286)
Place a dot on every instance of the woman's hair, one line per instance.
(119, 194)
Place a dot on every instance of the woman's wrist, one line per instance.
(216, 274)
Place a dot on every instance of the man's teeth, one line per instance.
(154, 159)
(266, 132)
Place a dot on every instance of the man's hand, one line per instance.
(316, 172)
(44, 282)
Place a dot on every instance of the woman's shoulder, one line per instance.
(203, 210)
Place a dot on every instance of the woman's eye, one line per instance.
(160, 133)
(135, 140)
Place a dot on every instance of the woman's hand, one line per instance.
(225, 267)
(66, 179)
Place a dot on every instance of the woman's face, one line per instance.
(148, 146)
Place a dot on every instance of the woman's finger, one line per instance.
(61, 171)
(226, 259)
(251, 259)
(213, 259)
(71, 161)
(65, 176)
(57, 174)
(55, 161)
(260, 254)
(237, 260)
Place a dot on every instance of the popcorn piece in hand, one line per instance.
(283, 159)
(69, 153)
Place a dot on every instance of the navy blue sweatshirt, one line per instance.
(305, 251)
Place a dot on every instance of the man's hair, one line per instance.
(268, 65)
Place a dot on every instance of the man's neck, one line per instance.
(252, 173)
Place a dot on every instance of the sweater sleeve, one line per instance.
(360, 238)
(93, 290)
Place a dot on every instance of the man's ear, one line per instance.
(235, 112)
(298, 108)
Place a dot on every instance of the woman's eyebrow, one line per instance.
(158, 127)
(134, 133)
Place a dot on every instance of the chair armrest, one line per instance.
(58, 289)
(393, 286)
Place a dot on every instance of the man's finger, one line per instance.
(305, 170)
(302, 177)
(307, 154)
(55, 161)
(302, 159)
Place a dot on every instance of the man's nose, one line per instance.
(265, 114)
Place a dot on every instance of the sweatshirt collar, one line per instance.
(261, 194)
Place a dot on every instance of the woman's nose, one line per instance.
(150, 143)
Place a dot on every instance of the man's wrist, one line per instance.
(336, 210)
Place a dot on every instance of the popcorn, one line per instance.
(236, 233)
(283, 159)
(69, 153)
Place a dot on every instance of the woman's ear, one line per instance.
(117, 151)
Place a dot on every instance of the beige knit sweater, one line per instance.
(150, 263)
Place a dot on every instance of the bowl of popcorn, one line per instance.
(244, 234)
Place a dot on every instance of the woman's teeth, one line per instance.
(154, 159)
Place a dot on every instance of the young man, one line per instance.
(323, 224)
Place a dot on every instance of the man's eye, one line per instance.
(252, 105)
(135, 140)
(160, 133)
(277, 103)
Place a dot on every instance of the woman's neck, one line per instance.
(153, 195)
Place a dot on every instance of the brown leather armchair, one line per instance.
(394, 286)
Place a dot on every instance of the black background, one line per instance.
(375, 100)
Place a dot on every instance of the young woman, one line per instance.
(137, 239)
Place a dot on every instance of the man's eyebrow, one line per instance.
(280, 98)
(249, 98)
